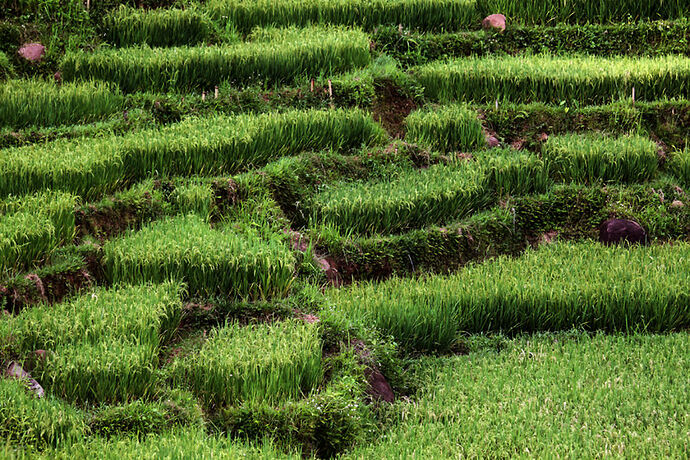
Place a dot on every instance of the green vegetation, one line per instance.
(162, 27)
(212, 145)
(35, 102)
(208, 260)
(32, 227)
(584, 11)
(412, 199)
(254, 363)
(446, 128)
(28, 421)
(586, 397)
(512, 172)
(424, 14)
(591, 158)
(545, 78)
(679, 166)
(6, 70)
(567, 286)
(309, 52)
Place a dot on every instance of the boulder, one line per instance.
(492, 141)
(495, 22)
(617, 231)
(32, 52)
(15, 371)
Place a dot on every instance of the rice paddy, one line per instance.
(344, 229)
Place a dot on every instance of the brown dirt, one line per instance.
(391, 107)
(49, 289)
(104, 224)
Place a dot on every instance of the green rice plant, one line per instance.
(591, 158)
(583, 397)
(512, 172)
(412, 199)
(197, 198)
(587, 286)
(26, 420)
(583, 11)
(86, 167)
(254, 363)
(32, 227)
(214, 145)
(545, 78)
(312, 52)
(447, 128)
(185, 248)
(181, 443)
(101, 372)
(423, 14)
(141, 314)
(160, 27)
(679, 166)
(43, 103)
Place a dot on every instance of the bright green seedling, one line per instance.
(447, 128)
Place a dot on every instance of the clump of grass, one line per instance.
(447, 128)
(591, 158)
(679, 166)
(310, 52)
(28, 421)
(6, 69)
(511, 172)
(583, 11)
(193, 197)
(32, 227)
(161, 27)
(43, 103)
(412, 199)
(213, 145)
(423, 14)
(185, 248)
(545, 78)
(136, 314)
(254, 363)
(565, 286)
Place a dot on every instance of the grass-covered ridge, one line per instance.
(308, 52)
(566, 286)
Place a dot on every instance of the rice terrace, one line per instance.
(357, 229)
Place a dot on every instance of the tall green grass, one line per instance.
(141, 314)
(512, 172)
(31, 227)
(26, 420)
(591, 158)
(422, 14)
(310, 52)
(102, 346)
(6, 69)
(565, 286)
(446, 128)
(43, 103)
(214, 145)
(679, 166)
(545, 78)
(210, 261)
(580, 396)
(412, 199)
(584, 11)
(161, 27)
(254, 363)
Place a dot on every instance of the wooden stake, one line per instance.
(216, 92)
(633, 96)
(312, 85)
(330, 89)
(203, 96)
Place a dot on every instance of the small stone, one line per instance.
(492, 141)
(677, 204)
(32, 52)
(495, 22)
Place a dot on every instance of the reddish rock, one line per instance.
(32, 52)
(492, 141)
(15, 371)
(616, 231)
(379, 388)
(495, 22)
(543, 137)
(677, 204)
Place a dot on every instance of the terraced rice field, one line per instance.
(345, 228)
